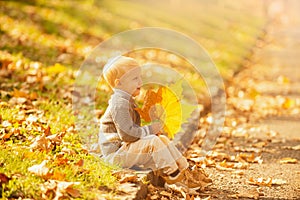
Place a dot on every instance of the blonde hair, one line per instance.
(117, 67)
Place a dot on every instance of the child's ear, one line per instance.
(117, 82)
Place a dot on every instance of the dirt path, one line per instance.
(258, 153)
(264, 119)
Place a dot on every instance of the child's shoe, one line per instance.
(174, 179)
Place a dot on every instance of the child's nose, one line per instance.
(140, 81)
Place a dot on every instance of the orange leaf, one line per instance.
(58, 176)
(5, 63)
(3, 179)
(73, 192)
(80, 163)
(18, 93)
(288, 160)
(151, 98)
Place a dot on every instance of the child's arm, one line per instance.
(127, 129)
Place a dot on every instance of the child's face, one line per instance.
(131, 82)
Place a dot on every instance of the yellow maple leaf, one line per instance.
(168, 107)
(172, 112)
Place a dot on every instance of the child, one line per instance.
(122, 140)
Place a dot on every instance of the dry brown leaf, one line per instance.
(4, 63)
(3, 179)
(6, 136)
(165, 193)
(18, 93)
(58, 189)
(260, 181)
(61, 161)
(6, 124)
(288, 160)
(229, 166)
(203, 163)
(252, 194)
(80, 163)
(132, 178)
(296, 147)
(40, 170)
(55, 138)
(259, 144)
(73, 192)
(68, 151)
(238, 172)
(125, 176)
(41, 143)
(17, 100)
(278, 182)
(292, 147)
(155, 196)
(247, 149)
(247, 157)
(219, 156)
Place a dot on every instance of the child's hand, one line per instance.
(157, 127)
(156, 112)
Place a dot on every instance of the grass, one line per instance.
(93, 175)
(43, 43)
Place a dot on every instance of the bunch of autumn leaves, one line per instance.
(165, 105)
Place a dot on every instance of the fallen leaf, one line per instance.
(260, 181)
(259, 144)
(283, 80)
(6, 124)
(41, 143)
(218, 156)
(252, 194)
(18, 93)
(289, 103)
(249, 158)
(278, 182)
(247, 149)
(167, 194)
(238, 172)
(73, 192)
(229, 166)
(292, 147)
(17, 100)
(5, 63)
(40, 170)
(58, 176)
(3, 179)
(6, 136)
(68, 151)
(288, 160)
(296, 147)
(132, 178)
(151, 98)
(80, 163)
(59, 189)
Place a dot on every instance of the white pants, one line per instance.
(154, 152)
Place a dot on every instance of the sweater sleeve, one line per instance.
(126, 128)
